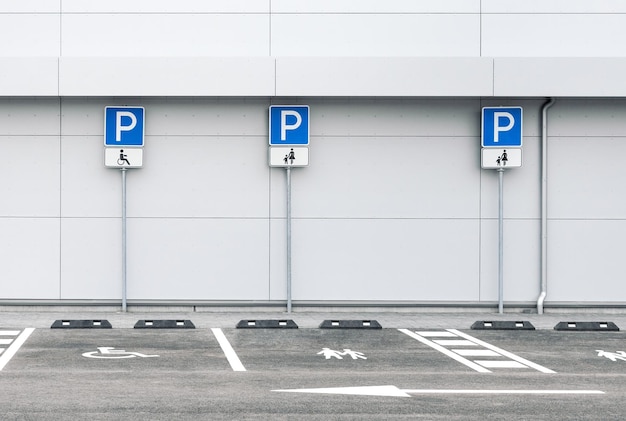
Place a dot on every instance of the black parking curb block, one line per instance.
(267, 324)
(589, 326)
(164, 324)
(350, 324)
(81, 324)
(502, 325)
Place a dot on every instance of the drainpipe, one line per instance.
(544, 204)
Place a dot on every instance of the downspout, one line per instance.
(544, 204)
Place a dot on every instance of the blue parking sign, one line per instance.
(124, 126)
(289, 125)
(501, 126)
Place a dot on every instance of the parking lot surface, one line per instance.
(417, 370)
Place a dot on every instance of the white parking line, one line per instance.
(8, 353)
(230, 353)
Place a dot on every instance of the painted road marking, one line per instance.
(462, 339)
(14, 344)
(445, 351)
(228, 350)
(504, 353)
(390, 390)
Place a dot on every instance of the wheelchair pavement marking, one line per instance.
(15, 344)
(230, 353)
(463, 339)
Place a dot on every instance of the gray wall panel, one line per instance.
(196, 176)
(353, 259)
(521, 268)
(413, 178)
(586, 259)
(29, 258)
(29, 177)
(198, 259)
(91, 265)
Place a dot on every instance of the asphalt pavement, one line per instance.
(420, 365)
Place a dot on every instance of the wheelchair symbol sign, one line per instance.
(109, 352)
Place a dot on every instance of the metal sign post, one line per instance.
(288, 141)
(123, 170)
(501, 141)
(288, 172)
(500, 241)
(123, 149)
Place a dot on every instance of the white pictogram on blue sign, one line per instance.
(501, 127)
(289, 125)
(124, 126)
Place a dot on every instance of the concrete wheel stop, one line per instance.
(164, 324)
(81, 324)
(267, 324)
(502, 325)
(350, 324)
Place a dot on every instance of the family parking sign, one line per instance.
(289, 125)
(501, 127)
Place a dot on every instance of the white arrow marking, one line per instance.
(363, 391)
(390, 390)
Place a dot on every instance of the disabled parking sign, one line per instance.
(124, 126)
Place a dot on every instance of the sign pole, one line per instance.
(123, 170)
(500, 240)
(288, 171)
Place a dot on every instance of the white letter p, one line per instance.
(283, 122)
(119, 127)
(496, 124)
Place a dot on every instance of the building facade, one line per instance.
(393, 208)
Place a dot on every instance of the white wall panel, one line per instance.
(251, 76)
(375, 6)
(29, 258)
(29, 176)
(584, 182)
(198, 259)
(207, 116)
(590, 117)
(421, 260)
(412, 178)
(30, 35)
(29, 76)
(165, 35)
(586, 261)
(521, 264)
(552, 6)
(278, 258)
(89, 189)
(559, 77)
(29, 117)
(32, 6)
(375, 35)
(91, 258)
(553, 35)
(367, 76)
(384, 117)
(202, 177)
(166, 6)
